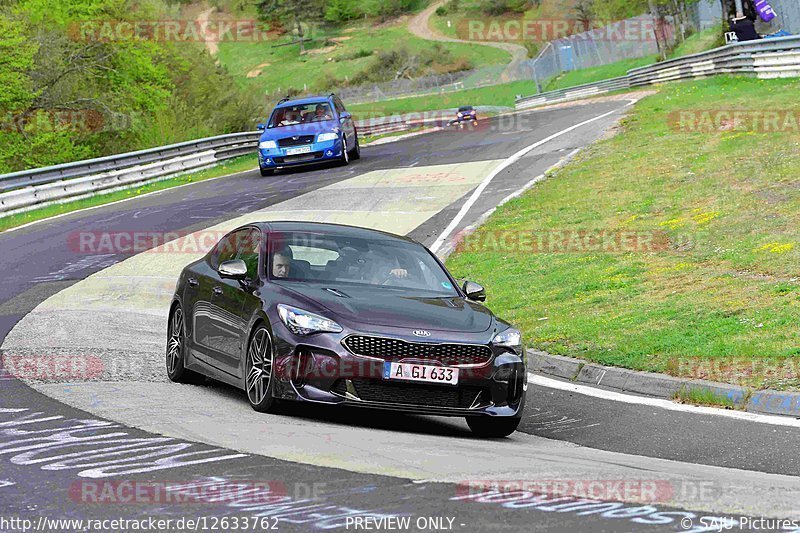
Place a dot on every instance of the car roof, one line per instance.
(340, 230)
(307, 100)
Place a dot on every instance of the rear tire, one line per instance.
(259, 384)
(176, 350)
(492, 427)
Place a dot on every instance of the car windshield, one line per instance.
(464, 108)
(323, 258)
(291, 115)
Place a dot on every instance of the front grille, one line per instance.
(411, 394)
(300, 140)
(297, 158)
(396, 349)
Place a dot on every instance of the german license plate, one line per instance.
(301, 150)
(427, 373)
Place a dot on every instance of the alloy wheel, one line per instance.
(259, 367)
(175, 341)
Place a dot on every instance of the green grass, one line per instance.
(589, 75)
(699, 42)
(727, 286)
(310, 71)
(467, 10)
(704, 397)
(237, 164)
(495, 95)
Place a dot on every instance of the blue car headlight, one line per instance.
(330, 136)
(267, 145)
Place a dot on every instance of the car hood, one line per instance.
(388, 307)
(311, 128)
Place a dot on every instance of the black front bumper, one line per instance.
(320, 369)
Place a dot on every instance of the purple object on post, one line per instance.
(765, 10)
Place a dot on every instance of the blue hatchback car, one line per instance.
(307, 131)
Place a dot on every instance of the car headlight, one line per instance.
(302, 322)
(330, 136)
(267, 145)
(459, 114)
(510, 338)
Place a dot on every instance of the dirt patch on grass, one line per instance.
(319, 51)
(256, 72)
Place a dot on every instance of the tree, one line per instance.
(301, 13)
(584, 12)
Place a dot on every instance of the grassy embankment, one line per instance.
(338, 54)
(727, 287)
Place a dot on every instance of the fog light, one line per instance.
(268, 161)
(504, 374)
(329, 153)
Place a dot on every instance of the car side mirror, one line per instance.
(474, 291)
(236, 269)
(344, 115)
(261, 127)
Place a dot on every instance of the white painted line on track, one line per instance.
(504, 165)
(585, 390)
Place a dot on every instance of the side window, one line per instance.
(338, 105)
(248, 247)
(225, 250)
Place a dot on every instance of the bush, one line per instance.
(341, 11)
(400, 63)
(441, 11)
(498, 7)
(358, 54)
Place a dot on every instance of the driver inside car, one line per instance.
(282, 263)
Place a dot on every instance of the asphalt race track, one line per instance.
(68, 442)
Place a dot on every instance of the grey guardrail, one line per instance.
(764, 58)
(573, 93)
(29, 189)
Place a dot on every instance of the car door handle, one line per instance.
(193, 282)
(218, 291)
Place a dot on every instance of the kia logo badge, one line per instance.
(422, 333)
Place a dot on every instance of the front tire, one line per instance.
(267, 172)
(176, 350)
(492, 427)
(355, 153)
(258, 381)
(345, 160)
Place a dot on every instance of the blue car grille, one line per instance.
(297, 140)
(396, 350)
(297, 158)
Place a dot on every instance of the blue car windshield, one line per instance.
(344, 260)
(292, 115)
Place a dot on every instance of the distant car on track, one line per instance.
(465, 115)
(307, 131)
(340, 315)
